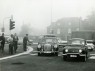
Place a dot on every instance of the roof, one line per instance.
(77, 38)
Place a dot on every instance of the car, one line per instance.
(30, 42)
(62, 43)
(48, 44)
(20, 41)
(90, 45)
(6, 39)
(76, 48)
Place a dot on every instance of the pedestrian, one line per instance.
(2, 39)
(15, 40)
(10, 40)
(25, 40)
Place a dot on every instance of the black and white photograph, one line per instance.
(47, 35)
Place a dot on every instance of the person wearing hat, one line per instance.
(15, 40)
(25, 40)
(2, 42)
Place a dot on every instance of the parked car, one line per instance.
(48, 44)
(90, 45)
(30, 42)
(20, 41)
(6, 39)
(76, 48)
(62, 43)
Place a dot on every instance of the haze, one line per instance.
(38, 14)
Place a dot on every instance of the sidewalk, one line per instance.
(6, 51)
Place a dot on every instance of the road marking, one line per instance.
(29, 49)
(92, 57)
(35, 43)
(33, 54)
(92, 54)
(34, 51)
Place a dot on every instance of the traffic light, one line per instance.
(12, 25)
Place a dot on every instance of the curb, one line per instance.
(29, 49)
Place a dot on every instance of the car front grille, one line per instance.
(73, 51)
(47, 48)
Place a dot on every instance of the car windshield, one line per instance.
(76, 42)
(50, 40)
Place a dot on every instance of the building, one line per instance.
(63, 27)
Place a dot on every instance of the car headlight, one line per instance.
(80, 50)
(55, 46)
(39, 46)
(66, 50)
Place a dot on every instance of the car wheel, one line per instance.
(91, 49)
(84, 59)
(64, 58)
(39, 54)
(56, 54)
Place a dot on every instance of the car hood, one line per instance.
(49, 43)
(74, 47)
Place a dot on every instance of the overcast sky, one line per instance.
(38, 12)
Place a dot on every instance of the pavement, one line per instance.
(6, 50)
(31, 62)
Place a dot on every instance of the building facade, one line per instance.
(63, 27)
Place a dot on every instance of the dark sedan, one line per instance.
(48, 44)
(76, 48)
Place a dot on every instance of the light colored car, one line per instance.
(62, 43)
(6, 39)
(90, 45)
(20, 41)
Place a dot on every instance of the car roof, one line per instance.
(49, 35)
(77, 39)
(89, 40)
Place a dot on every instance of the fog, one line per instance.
(40, 13)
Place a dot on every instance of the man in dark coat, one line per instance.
(2, 39)
(15, 40)
(25, 40)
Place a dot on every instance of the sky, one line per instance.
(40, 13)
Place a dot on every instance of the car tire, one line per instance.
(64, 58)
(39, 54)
(56, 54)
(91, 50)
(84, 59)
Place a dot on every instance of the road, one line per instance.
(32, 62)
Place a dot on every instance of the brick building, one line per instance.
(63, 27)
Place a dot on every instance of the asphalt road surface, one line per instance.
(6, 50)
(32, 62)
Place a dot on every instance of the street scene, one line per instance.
(47, 35)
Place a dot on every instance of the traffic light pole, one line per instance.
(3, 28)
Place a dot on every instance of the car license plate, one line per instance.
(73, 55)
(47, 52)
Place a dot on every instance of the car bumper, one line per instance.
(74, 54)
(47, 51)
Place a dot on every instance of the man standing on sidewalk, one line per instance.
(10, 40)
(2, 39)
(25, 40)
(15, 40)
